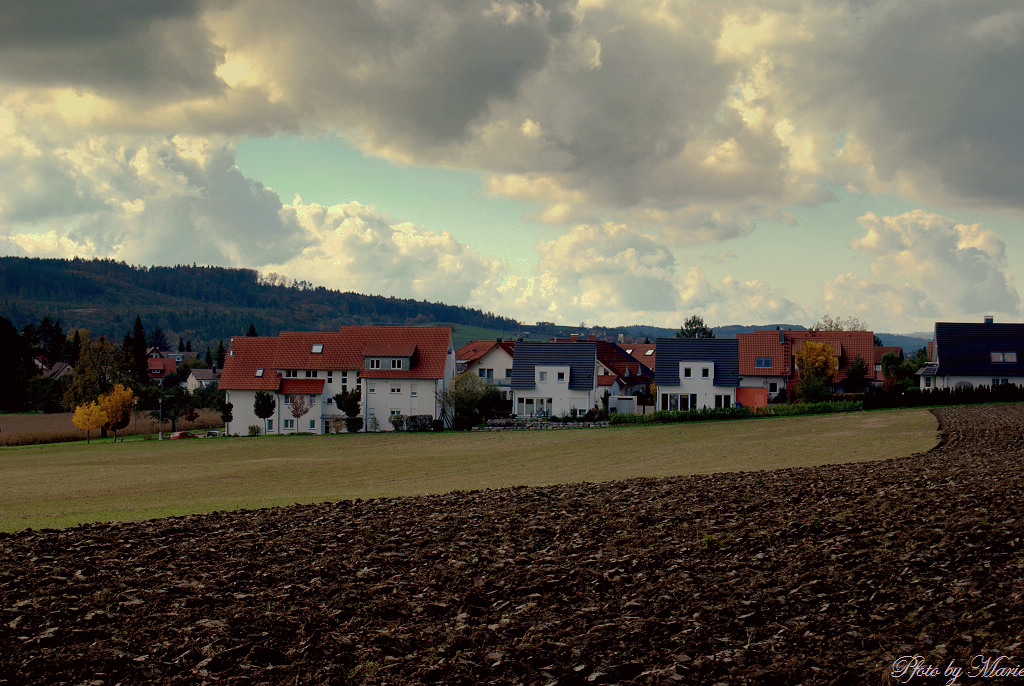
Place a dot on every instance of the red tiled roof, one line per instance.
(606, 379)
(160, 366)
(474, 350)
(342, 350)
(883, 350)
(755, 344)
(847, 345)
(642, 352)
(302, 386)
(246, 355)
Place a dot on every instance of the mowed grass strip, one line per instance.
(61, 486)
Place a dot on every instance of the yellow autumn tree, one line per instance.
(818, 365)
(117, 404)
(88, 417)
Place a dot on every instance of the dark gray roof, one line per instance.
(966, 349)
(724, 352)
(579, 356)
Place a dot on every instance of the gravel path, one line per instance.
(816, 576)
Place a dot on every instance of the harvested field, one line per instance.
(32, 429)
(808, 575)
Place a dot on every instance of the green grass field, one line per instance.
(56, 486)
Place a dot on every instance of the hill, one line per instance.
(203, 304)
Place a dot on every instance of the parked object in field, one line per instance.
(183, 434)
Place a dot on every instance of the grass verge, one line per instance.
(60, 486)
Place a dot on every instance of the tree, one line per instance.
(818, 366)
(88, 417)
(857, 375)
(100, 366)
(175, 400)
(251, 333)
(181, 344)
(138, 352)
(158, 339)
(16, 367)
(225, 409)
(694, 327)
(191, 414)
(117, 404)
(348, 402)
(221, 354)
(263, 406)
(461, 400)
(830, 323)
(300, 406)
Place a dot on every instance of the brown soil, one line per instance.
(815, 576)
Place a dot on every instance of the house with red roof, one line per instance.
(399, 370)
(768, 358)
(490, 360)
(159, 367)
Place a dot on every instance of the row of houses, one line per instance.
(403, 370)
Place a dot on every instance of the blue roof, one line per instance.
(579, 356)
(724, 352)
(966, 349)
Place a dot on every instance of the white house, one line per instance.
(554, 379)
(694, 373)
(398, 370)
(985, 354)
(491, 361)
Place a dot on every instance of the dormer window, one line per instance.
(1005, 356)
(374, 364)
(259, 372)
(396, 364)
(291, 373)
(317, 348)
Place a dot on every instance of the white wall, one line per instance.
(547, 386)
(697, 384)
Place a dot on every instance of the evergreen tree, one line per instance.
(181, 345)
(221, 354)
(158, 339)
(76, 349)
(251, 333)
(263, 406)
(138, 352)
(208, 358)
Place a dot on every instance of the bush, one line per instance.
(420, 422)
(255, 430)
(437, 425)
(964, 395)
(398, 421)
(716, 413)
(353, 424)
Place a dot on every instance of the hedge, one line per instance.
(716, 413)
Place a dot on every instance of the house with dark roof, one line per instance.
(553, 379)
(399, 370)
(491, 361)
(975, 354)
(619, 374)
(199, 378)
(694, 373)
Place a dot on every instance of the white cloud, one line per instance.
(355, 247)
(925, 267)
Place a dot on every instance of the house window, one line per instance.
(542, 376)
(270, 425)
(312, 425)
(330, 400)
(763, 362)
(374, 364)
(996, 382)
(686, 372)
(396, 389)
(310, 373)
(317, 348)
(704, 372)
(369, 388)
(287, 400)
(291, 373)
(561, 376)
(927, 382)
(723, 400)
(396, 364)
(486, 375)
(330, 377)
(289, 424)
(648, 353)
(773, 386)
(629, 351)
(395, 413)
(1008, 356)
(412, 391)
(259, 373)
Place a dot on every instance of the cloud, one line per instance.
(141, 199)
(925, 267)
(358, 248)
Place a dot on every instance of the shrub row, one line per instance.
(716, 413)
(965, 395)
(414, 422)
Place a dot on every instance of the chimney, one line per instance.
(989, 319)
(574, 337)
(592, 337)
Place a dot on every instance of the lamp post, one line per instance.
(160, 427)
(135, 409)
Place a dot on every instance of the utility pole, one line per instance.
(160, 428)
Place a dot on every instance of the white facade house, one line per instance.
(398, 370)
(974, 354)
(554, 379)
(694, 373)
(490, 361)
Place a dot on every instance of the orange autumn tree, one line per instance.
(818, 366)
(117, 403)
(88, 417)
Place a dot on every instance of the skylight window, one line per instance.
(259, 372)
(317, 348)
(649, 353)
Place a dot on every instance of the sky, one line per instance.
(606, 162)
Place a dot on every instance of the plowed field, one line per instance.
(816, 576)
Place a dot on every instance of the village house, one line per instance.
(694, 373)
(491, 361)
(399, 370)
(974, 354)
(552, 379)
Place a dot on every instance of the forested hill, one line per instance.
(200, 304)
